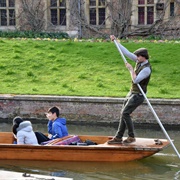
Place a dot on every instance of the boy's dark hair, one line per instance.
(54, 110)
(142, 52)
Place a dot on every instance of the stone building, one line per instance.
(87, 18)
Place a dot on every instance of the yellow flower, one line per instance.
(75, 39)
(177, 42)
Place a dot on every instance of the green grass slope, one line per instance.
(83, 68)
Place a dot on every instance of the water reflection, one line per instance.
(153, 168)
(163, 165)
(177, 175)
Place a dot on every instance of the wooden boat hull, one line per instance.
(143, 147)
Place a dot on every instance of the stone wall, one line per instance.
(86, 109)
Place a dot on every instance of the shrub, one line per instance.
(32, 34)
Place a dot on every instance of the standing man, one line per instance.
(139, 75)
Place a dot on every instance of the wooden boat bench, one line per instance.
(7, 138)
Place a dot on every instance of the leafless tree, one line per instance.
(165, 28)
(79, 19)
(31, 15)
(120, 12)
(170, 27)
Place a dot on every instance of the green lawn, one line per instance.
(83, 68)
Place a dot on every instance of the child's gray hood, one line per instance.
(25, 125)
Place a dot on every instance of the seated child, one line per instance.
(23, 131)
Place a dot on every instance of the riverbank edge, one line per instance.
(88, 110)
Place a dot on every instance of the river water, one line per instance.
(161, 166)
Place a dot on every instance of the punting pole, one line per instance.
(154, 113)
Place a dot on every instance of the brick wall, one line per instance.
(86, 109)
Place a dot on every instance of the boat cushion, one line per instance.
(71, 140)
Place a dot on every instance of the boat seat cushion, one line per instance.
(72, 139)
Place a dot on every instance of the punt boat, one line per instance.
(62, 150)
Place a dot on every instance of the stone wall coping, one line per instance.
(81, 99)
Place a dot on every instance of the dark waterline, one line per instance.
(164, 165)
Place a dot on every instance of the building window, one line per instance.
(7, 13)
(172, 9)
(144, 1)
(58, 12)
(141, 1)
(141, 15)
(97, 12)
(145, 12)
(150, 1)
(150, 15)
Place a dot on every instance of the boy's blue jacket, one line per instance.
(57, 128)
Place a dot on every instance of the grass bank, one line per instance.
(51, 67)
